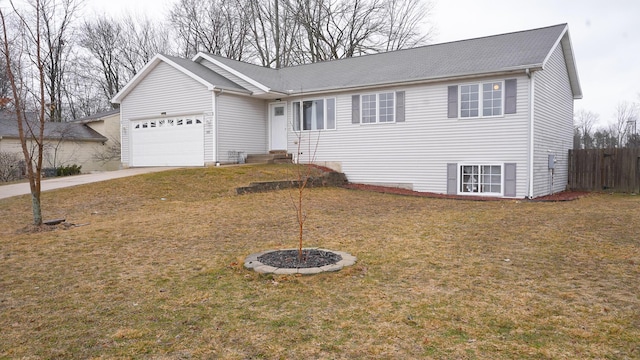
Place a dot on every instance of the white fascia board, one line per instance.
(147, 69)
(569, 59)
(232, 70)
(572, 68)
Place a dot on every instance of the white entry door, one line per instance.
(278, 119)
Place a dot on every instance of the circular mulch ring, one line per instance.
(285, 261)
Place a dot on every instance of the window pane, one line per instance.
(296, 116)
(469, 100)
(307, 115)
(331, 114)
(368, 109)
(318, 114)
(469, 179)
(492, 99)
(386, 107)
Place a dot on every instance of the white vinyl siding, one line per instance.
(164, 89)
(242, 126)
(553, 125)
(415, 153)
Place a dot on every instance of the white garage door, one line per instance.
(168, 142)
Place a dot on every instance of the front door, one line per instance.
(278, 118)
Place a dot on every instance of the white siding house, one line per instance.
(491, 116)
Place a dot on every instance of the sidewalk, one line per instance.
(7, 191)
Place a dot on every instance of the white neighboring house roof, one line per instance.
(490, 55)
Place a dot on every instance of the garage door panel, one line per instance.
(160, 143)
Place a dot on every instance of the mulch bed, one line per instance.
(289, 258)
(561, 196)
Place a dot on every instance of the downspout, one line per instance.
(531, 76)
(216, 94)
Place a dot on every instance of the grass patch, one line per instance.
(157, 273)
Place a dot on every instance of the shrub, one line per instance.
(68, 170)
(9, 167)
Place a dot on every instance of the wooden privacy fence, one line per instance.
(605, 169)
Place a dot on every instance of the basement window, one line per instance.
(486, 179)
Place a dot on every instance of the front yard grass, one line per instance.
(157, 272)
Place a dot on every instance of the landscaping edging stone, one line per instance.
(252, 262)
(331, 179)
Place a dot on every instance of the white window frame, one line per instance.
(478, 183)
(481, 99)
(377, 108)
(299, 122)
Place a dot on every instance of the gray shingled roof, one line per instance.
(488, 55)
(96, 116)
(64, 130)
(206, 74)
(491, 54)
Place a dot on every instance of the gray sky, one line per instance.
(605, 36)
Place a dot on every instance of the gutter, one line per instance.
(431, 80)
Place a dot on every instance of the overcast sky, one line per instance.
(605, 35)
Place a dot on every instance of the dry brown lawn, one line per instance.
(156, 273)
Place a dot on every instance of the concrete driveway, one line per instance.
(7, 191)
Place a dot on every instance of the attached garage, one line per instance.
(171, 141)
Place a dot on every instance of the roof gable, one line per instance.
(196, 71)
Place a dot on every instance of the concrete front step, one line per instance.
(274, 157)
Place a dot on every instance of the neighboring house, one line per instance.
(105, 155)
(488, 116)
(65, 143)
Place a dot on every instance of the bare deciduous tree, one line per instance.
(584, 121)
(101, 37)
(277, 33)
(142, 39)
(624, 115)
(9, 166)
(29, 26)
(110, 153)
(56, 18)
(214, 26)
(405, 25)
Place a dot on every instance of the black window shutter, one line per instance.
(452, 102)
(355, 109)
(399, 106)
(510, 96)
(452, 179)
(510, 179)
